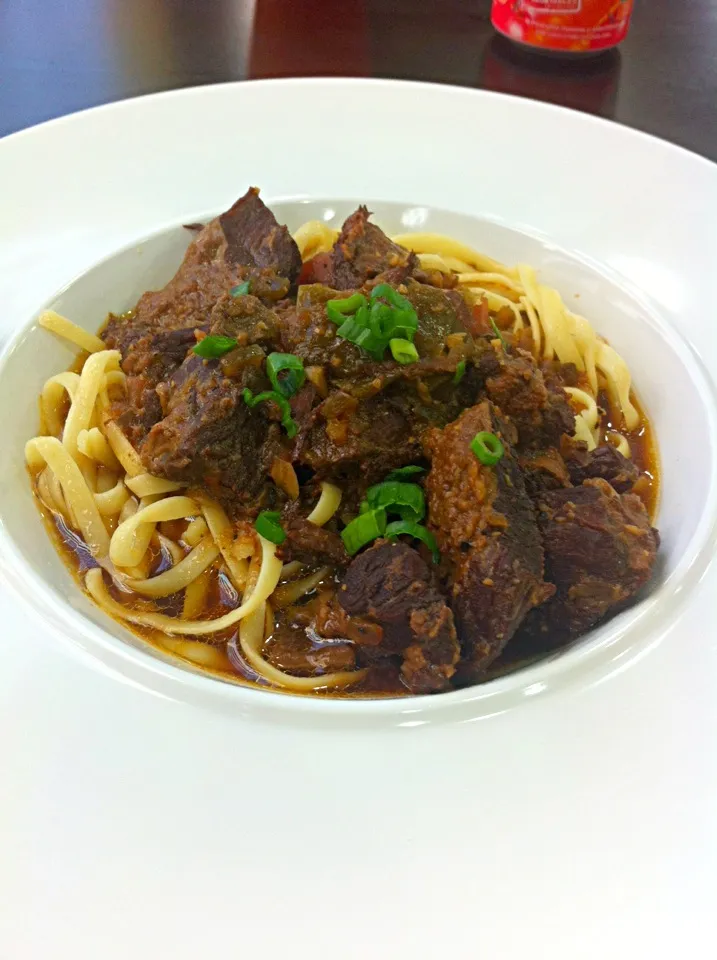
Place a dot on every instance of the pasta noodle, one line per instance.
(269, 574)
(68, 330)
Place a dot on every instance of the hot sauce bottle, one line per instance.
(567, 27)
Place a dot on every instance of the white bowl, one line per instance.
(669, 379)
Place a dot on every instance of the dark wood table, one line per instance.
(57, 56)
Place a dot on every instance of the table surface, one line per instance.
(58, 56)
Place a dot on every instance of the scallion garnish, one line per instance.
(241, 289)
(214, 346)
(403, 351)
(487, 447)
(498, 333)
(338, 310)
(384, 291)
(356, 332)
(418, 531)
(363, 529)
(405, 499)
(273, 396)
(390, 316)
(401, 472)
(267, 526)
(460, 372)
(286, 373)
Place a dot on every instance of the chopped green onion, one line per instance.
(405, 499)
(267, 526)
(287, 422)
(390, 317)
(363, 529)
(214, 346)
(460, 372)
(487, 447)
(389, 322)
(355, 332)
(400, 527)
(384, 291)
(241, 289)
(338, 310)
(402, 472)
(498, 333)
(293, 367)
(403, 351)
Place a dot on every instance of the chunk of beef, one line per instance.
(604, 462)
(544, 470)
(599, 551)
(244, 239)
(291, 650)
(244, 319)
(211, 438)
(539, 409)
(148, 361)
(254, 237)
(391, 586)
(485, 526)
(311, 544)
(362, 441)
(363, 251)
(440, 313)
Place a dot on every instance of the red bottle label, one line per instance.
(573, 25)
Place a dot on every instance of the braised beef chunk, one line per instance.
(391, 586)
(544, 470)
(244, 240)
(209, 437)
(359, 441)
(440, 313)
(599, 551)
(539, 409)
(255, 239)
(291, 650)
(311, 544)
(148, 361)
(363, 251)
(244, 319)
(485, 527)
(604, 462)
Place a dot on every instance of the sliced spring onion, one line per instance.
(498, 334)
(401, 472)
(241, 289)
(286, 373)
(403, 351)
(405, 499)
(409, 528)
(355, 332)
(363, 529)
(214, 346)
(384, 291)
(287, 422)
(487, 447)
(460, 372)
(389, 317)
(390, 322)
(338, 310)
(267, 526)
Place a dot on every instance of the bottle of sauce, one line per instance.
(563, 27)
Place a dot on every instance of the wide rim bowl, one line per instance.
(608, 648)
